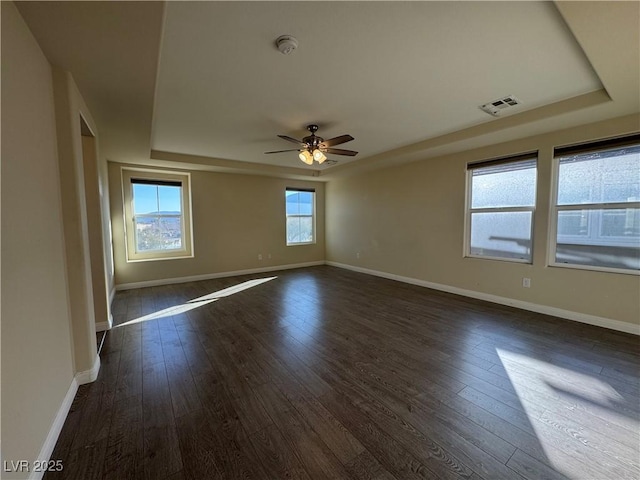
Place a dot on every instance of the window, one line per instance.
(157, 214)
(501, 202)
(596, 212)
(300, 207)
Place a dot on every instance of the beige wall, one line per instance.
(107, 242)
(235, 218)
(409, 221)
(99, 270)
(69, 107)
(37, 367)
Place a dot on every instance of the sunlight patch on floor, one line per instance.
(167, 312)
(550, 379)
(549, 391)
(197, 302)
(226, 292)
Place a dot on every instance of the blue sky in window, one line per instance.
(299, 203)
(152, 199)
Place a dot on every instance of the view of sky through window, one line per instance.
(157, 211)
(150, 199)
(299, 210)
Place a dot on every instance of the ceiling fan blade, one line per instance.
(336, 141)
(281, 151)
(340, 151)
(290, 139)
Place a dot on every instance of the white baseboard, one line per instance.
(208, 276)
(89, 376)
(533, 307)
(58, 422)
(102, 326)
(56, 428)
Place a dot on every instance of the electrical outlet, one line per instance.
(259, 256)
(526, 282)
(269, 256)
(357, 254)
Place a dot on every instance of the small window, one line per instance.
(596, 212)
(157, 215)
(501, 203)
(300, 207)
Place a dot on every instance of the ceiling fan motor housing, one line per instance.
(312, 140)
(313, 147)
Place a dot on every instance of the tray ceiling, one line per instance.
(202, 84)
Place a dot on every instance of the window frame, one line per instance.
(554, 208)
(469, 210)
(184, 178)
(313, 216)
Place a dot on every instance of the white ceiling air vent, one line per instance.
(494, 108)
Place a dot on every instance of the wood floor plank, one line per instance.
(278, 460)
(592, 464)
(623, 454)
(151, 343)
(194, 352)
(316, 456)
(339, 440)
(326, 373)
(114, 340)
(96, 416)
(586, 395)
(184, 395)
(235, 455)
(422, 413)
(197, 446)
(109, 367)
(129, 382)
(160, 458)
(284, 349)
(240, 353)
(83, 463)
(393, 457)
(532, 469)
(155, 385)
(438, 398)
(514, 416)
(442, 449)
(245, 401)
(125, 441)
(366, 467)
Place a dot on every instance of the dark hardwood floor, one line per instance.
(324, 373)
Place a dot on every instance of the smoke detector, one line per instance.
(286, 44)
(494, 108)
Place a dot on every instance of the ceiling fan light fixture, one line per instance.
(306, 157)
(318, 156)
(313, 148)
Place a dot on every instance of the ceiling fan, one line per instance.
(314, 147)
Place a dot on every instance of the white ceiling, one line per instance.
(202, 85)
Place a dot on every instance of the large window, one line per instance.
(501, 203)
(300, 209)
(596, 213)
(157, 214)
